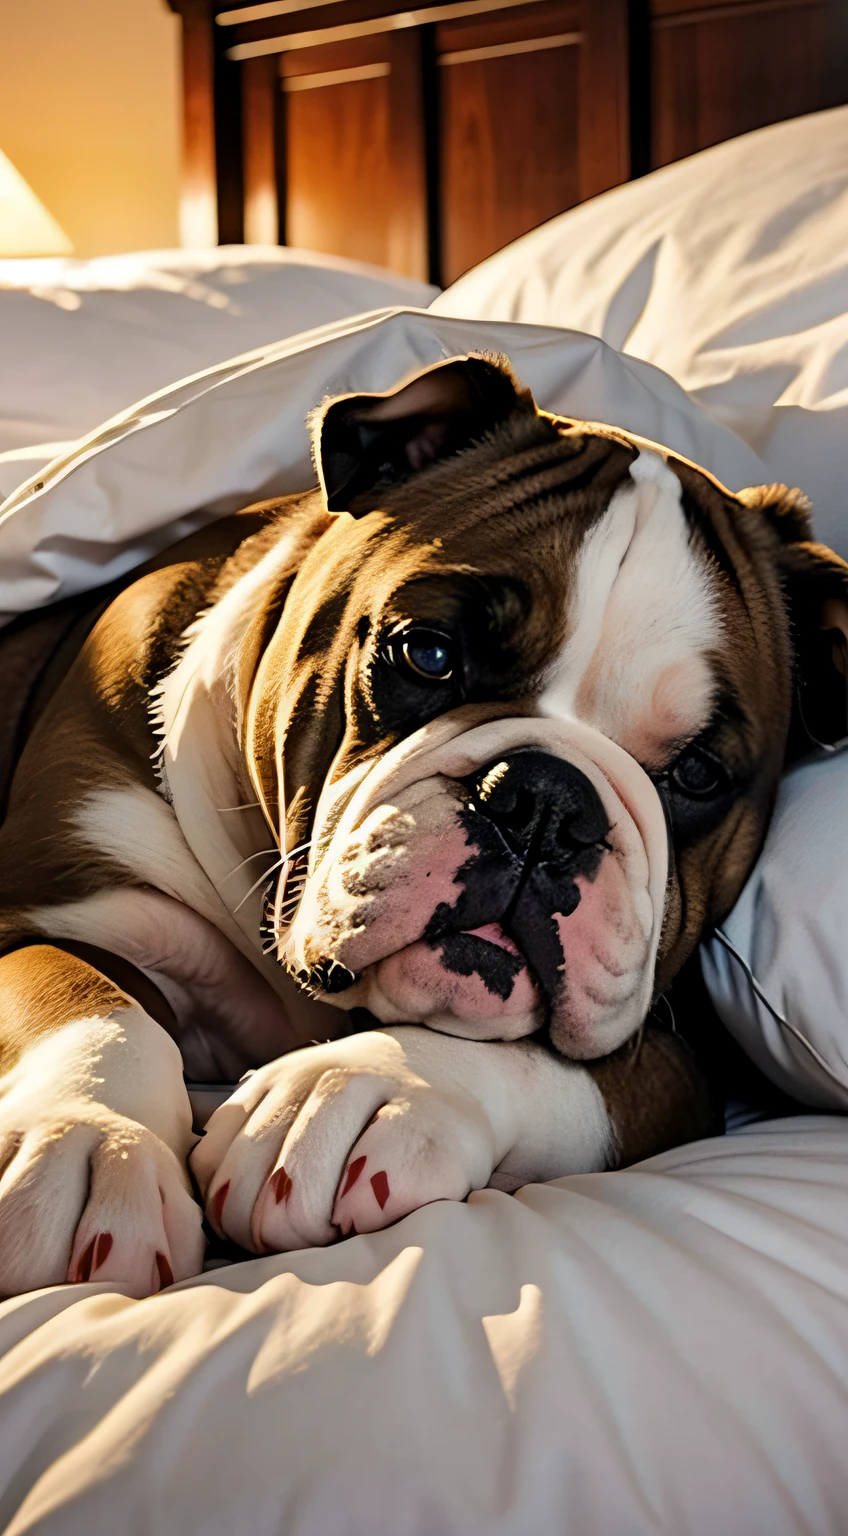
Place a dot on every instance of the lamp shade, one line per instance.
(26, 228)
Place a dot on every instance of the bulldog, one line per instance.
(447, 764)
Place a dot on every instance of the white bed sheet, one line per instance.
(660, 1352)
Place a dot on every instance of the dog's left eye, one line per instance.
(698, 774)
(429, 654)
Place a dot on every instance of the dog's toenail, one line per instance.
(380, 1186)
(216, 1204)
(281, 1185)
(85, 1262)
(354, 1170)
(166, 1274)
(102, 1250)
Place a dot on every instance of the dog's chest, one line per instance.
(166, 875)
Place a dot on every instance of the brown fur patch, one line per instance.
(88, 715)
(42, 989)
(655, 1095)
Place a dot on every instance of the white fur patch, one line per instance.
(139, 831)
(123, 1060)
(643, 621)
(201, 763)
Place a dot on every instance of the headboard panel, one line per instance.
(423, 140)
(721, 69)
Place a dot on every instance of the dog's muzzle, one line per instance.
(493, 900)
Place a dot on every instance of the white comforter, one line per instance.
(661, 1352)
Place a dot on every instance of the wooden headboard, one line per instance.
(423, 140)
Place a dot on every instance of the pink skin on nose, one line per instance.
(388, 894)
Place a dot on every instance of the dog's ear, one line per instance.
(362, 442)
(815, 585)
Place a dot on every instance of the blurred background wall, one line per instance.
(90, 115)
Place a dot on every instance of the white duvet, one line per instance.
(661, 1352)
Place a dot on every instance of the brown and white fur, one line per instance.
(240, 799)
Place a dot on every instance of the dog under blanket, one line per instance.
(473, 743)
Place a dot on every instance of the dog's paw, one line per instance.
(86, 1194)
(334, 1140)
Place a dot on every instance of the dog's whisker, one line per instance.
(250, 805)
(300, 849)
(285, 857)
(256, 884)
(263, 853)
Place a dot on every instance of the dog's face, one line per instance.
(527, 705)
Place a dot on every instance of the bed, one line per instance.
(663, 1349)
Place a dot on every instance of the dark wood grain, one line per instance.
(310, 61)
(408, 242)
(338, 13)
(509, 150)
(604, 96)
(228, 147)
(339, 172)
(508, 26)
(438, 159)
(199, 196)
(722, 74)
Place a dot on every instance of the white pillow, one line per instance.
(777, 971)
(223, 438)
(84, 339)
(20, 464)
(730, 271)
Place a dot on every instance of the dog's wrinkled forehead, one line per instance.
(459, 474)
(597, 532)
(589, 568)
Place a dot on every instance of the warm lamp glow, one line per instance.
(26, 228)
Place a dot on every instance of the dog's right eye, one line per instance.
(428, 654)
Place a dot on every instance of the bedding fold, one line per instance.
(658, 1350)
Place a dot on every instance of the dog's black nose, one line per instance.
(539, 802)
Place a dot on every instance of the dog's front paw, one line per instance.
(86, 1194)
(337, 1139)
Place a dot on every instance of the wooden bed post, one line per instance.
(412, 241)
(604, 97)
(199, 192)
(261, 107)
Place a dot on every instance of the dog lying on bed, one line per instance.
(474, 743)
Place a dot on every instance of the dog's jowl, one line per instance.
(448, 764)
